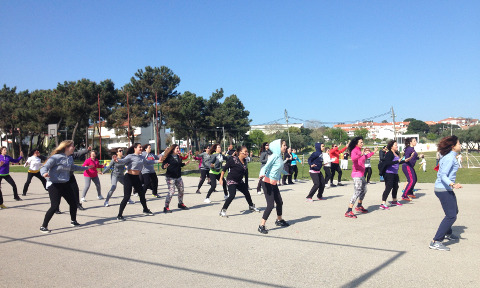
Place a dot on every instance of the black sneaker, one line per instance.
(340, 184)
(182, 206)
(74, 223)
(167, 210)
(18, 198)
(58, 212)
(332, 185)
(198, 192)
(44, 230)
(451, 237)
(24, 194)
(156, 196)
(120, 218)
(282, 223)
(80, 207)
(262, 229)
(148, 212)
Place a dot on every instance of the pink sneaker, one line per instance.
(384, 207)
(396, 203)
(309, 200)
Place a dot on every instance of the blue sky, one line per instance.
(330, 61)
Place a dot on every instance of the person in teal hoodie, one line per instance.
(294, 164)
(271, 175)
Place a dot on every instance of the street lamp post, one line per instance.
(223, 132)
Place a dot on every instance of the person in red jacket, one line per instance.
(335, 153)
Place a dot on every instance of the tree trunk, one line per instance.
(75, 131)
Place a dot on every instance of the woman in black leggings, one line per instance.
(216, 161)
(237, 169)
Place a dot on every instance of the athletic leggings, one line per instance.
(272, 195)
(56, 191)
(336, 167)
(328, 173)
(10, 181)
(295, 171)
(150, 180)
(411, 179)
(232, 190)
(368, 173)
(29, 179)
(318, 184)
(171, 183)
(213, 184)
(360, 189)
(203, 175)
(391, 182)
(115, 179)
(87, 185)
(450, 207)
(132, 181)
(74, 186)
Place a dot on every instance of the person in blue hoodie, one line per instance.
(315, 161)
(271, 175)
(448, 147)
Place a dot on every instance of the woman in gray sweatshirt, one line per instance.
(57, 172)
(118, 175)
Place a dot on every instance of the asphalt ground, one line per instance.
(197, 248)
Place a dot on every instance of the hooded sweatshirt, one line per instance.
(358, 162)
(447, 172)
(5, 168)
(274, 166)
(58, 167)
(316, 158)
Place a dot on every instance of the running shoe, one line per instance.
(18, 198)
(120, 218)
(262, 229)
(282, 223)
(80, 207)
(384, 207)
(350, 215)
(321, 198)
(207, 200)
(83, 199)
(58, 212)
(223, 213)
(147, 212)
(371, 183)
(3, 206)
(106, 204)
(327, 186)
(156, 196)
(225, 197)
(100, 197)
(437, 245)
(130, 201)
(135, 194)
(396, 203)
(253, 208)
(361, 209)
(182, 206)
(412, 196)
(74, 223)
(406, 199)
(340, 184)
(198, 192)
(167, 210)
(451, 237)
(259, 192)
(332, 185)
(44, 230)
(24, 194)
(310, 200)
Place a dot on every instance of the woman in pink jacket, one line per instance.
(358, 170)
(92, 175)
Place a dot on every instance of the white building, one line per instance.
(142, 135)
(375, 130)
(273, 128)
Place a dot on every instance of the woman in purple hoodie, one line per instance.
(5, 161)
(408, 168)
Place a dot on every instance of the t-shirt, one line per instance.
(236, 170)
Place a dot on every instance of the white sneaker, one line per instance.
(327, 185)
(135, 194)
(130, 201)
(83, 200)
(100, 197)
(259, 192)
(106, 204)
(223, 213)
(206, 200)
(225, 197)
